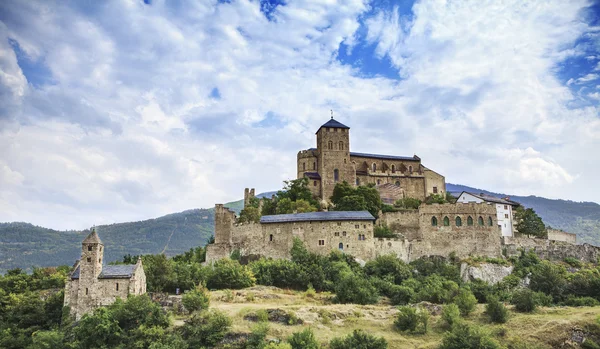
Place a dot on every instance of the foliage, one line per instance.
(303, 340)
(581, 302)
(358, 340)
(351, 203)
(436, 265)
(249, 214)
(348, 198)
(383, 231)
(574, 262)
(435, 199)
(408, 203)
(466, 301)
(436, 289)
(196, 299)
(401, 295)
(257, 337)
(525, 262)
(450, 314)
(355, 289)
(496, 310)
(529, 223)
(549, 278)
(297, 189)
(280, 273)
(205, 328)
(414, 320)
(227, 273)
(526, 300)
(463, 336)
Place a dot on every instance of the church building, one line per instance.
(92, 284)
(332, 161)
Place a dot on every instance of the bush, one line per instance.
(574, 262)
(280, 273)
(412, 320)
(355, 289)
(526, 301)
(408, 203)
(466, 301)
(401, 295)
(581, 302)
(257, 337)
(383, 231)
(303, 340)
(205, 329)
(358, 340)
(437, 289)
(450, 315)
(496, 310)
(549, 278)
(463, 336)
(480, 289)
(195, 300)
(227, 273)
(388, 267)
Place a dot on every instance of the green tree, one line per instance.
(205, 328)
(383, 231)
(297, 189)
(98, 330)
(137, 311)
(496, 310)
(529, 223)
(355, 289)
(466, 301)
(351, 203)
(249, 214)
(408, 203)
(413, 320)
(358, 340)
(47, 340)
(450, 314)
(549, 278)
(302, 206)
(388, 267)
(197, 299)
(303, 340)
(463, 336)
(227, 273)
(346, 198)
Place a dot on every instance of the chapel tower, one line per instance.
(90, 268)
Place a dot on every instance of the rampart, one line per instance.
(550, 249)
(559, 235)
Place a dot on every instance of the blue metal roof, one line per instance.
(319, 216)
(111, 272)
(333, 124)
(312, 175)
(386, 157)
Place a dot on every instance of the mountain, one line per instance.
(23, 245)
(581, 218)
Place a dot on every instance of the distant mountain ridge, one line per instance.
(24, 245)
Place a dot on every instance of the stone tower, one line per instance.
(90, 267)
(333, 146)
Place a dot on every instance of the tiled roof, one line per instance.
(319, 216)
(491, 198)
(92, 238)
(385, 157)
(312, 175)
(333, 124)
(111, 272)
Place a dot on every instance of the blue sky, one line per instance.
(129, 109)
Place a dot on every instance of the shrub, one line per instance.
(205, 328)
(401, 295)
(408, 203)
(463, 336)
(450, 314)
(581, 302)
(227, 273)
(280, 273)
(412, 320)
(196, 299)
(549, 278)
(388, 267)
(355, 289)
(278, 346)
(310, 292)
(574, 262)
(136, 311)
(526, 301)
(496, 310)
(262, 315)
(466, 301)
(480, 289)
(358, 340)
(383, 231)
(303, 340)
(256, 339)
(437, 289)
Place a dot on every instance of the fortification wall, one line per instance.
(405, 222)
(549, 249)
(559, 235)
(399, 247)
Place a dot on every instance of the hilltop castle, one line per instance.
(475, 225)
(332, 162)
(91, 284)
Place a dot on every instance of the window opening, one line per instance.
(490, 222)
(271, 237)
(458, 221)
(480, 220)
(393, 168)
(303, 166)
(434, 221)
(336, 175)
(374, 167)
(330, 145)
(341, 144)
(89, 259)
(469, 220)
(117, 286)
(446, 222)
(321, 242)
(341, 246)
(90, 248)
(398, 183)
(435, 190)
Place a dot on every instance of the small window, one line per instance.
(490, 221)
(304, 166)
(314, 183)
(458, 221)
(339, 224)
(506, 207)
(393, 168)
(314, 165)
(365, 226)
(117, 286)
(469, 221)
(344, 233)
(330, 145)
(100, 248)
(337, 233)
(90, 248)
(87, 291)
(374, 167)
(89, 259)
(506, 215)
(357, 226)
(446, 222)
(341, 145)
(480, 220)
(398, 183)
(335, 130)
(435, 190)
(357, 181)
(378, 181)
(336, 175)
(271, 237)
(410, 169)
(321, 242)
(341, 246)
(434, 221)
(100, 260)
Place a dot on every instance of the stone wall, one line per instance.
(405, 223)
(337, 158)
(549, 249)
(559, 235)
(434, 179)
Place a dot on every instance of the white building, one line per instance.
(504, 209)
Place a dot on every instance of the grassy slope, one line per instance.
(547, 327)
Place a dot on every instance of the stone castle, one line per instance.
(92, 284)
(474, 225)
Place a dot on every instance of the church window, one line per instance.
(90, 248)
(341, 145)
(458, 221)
(271, 237)
(480, 220)
(89, 259)
(304, 166)
(321, 242)
(490, 222)
(374, 167)
(469, 221)
(446, 222)
(330, 145)
(435, 190)
(314, 183)
(434, 221)
(117, 286)
(336, 175)
(87, 291)
(398, 183)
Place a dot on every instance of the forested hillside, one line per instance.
(581, 218)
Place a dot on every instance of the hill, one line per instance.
(581, 218)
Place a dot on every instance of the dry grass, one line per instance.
(546, 328)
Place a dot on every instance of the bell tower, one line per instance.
(90, 267)
(333, 144)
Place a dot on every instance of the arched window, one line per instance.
(393, 168)
(374, 167)
(410, 169)
(336, 175)
(469, 220)
(446, 222)
(490, 221)
(271, 237)
(341, 246)
(330, 145)
(480, 220)
(434, 221)
(341, 145)
(458, 221)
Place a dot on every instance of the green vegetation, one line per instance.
(450, 315)
(408, 203)
(196, 299)
(529, 223)
(383, 231)
(414, 320)
(348, 198)
(463, 336)
(358, 340)
(496, 310)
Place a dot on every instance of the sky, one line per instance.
(124, 110)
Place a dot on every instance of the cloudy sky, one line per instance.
(123, 110)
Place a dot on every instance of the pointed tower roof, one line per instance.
(93, 238)
(333, 123)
